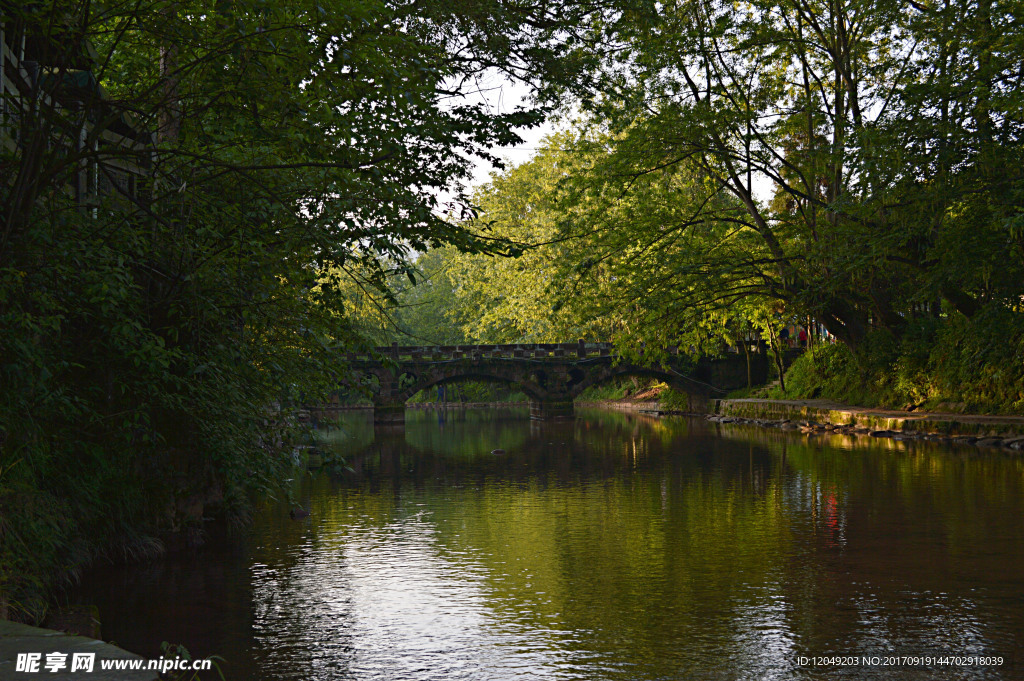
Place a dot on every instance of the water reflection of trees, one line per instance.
(901, 535)
(621, 537)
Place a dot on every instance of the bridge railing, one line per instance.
(578, 350)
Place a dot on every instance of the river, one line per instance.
(618, 546)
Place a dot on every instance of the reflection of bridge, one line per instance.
(551, 374)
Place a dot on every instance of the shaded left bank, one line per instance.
(187, 241)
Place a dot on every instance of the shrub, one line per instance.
(953, 363)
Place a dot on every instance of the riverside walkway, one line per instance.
(23, 639)
(981, 429)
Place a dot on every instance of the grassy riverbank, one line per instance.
(639, 392)
(949, 364)
(962, 365)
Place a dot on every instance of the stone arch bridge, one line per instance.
(551, 374)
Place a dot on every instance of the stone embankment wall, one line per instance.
(623, 405)
(820, 416)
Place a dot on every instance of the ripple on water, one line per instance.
(644, 549)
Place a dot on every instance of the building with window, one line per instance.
(57, 124)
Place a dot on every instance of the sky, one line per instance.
(503, 96)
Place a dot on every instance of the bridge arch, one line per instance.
(687, 384)
(428, 379)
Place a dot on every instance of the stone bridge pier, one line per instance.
(553, 407)
(387, 396)
(388, 413)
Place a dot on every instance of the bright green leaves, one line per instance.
(609, 252)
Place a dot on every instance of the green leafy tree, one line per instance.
(194, 198)
(523, 299)
(427, 309)
(607, 254)
(875, 122)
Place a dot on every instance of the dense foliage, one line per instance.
(956, 365)
(868, 152)
(732, 167)
(740, 167)
(156, 322)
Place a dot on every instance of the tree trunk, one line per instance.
(169, 125)
(774, 340)
(746, 351)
